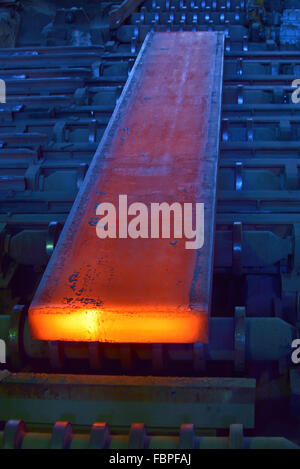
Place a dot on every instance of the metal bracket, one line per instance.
(187, 436)
(61, 435)
(15, 345)
(54, 230)
(236, 436)
(99, 436)
(240, 339)
(137, 436)
(14, 432)
(237, 234)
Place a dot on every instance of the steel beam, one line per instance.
(161, 145)
(121, 400)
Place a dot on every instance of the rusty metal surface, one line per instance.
(121, 400)
(161, 146)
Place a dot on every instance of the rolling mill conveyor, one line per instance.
(48, 140)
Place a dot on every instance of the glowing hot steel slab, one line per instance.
(161, 145)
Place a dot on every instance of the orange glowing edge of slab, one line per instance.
(92, 325)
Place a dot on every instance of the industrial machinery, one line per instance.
(135, 341)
